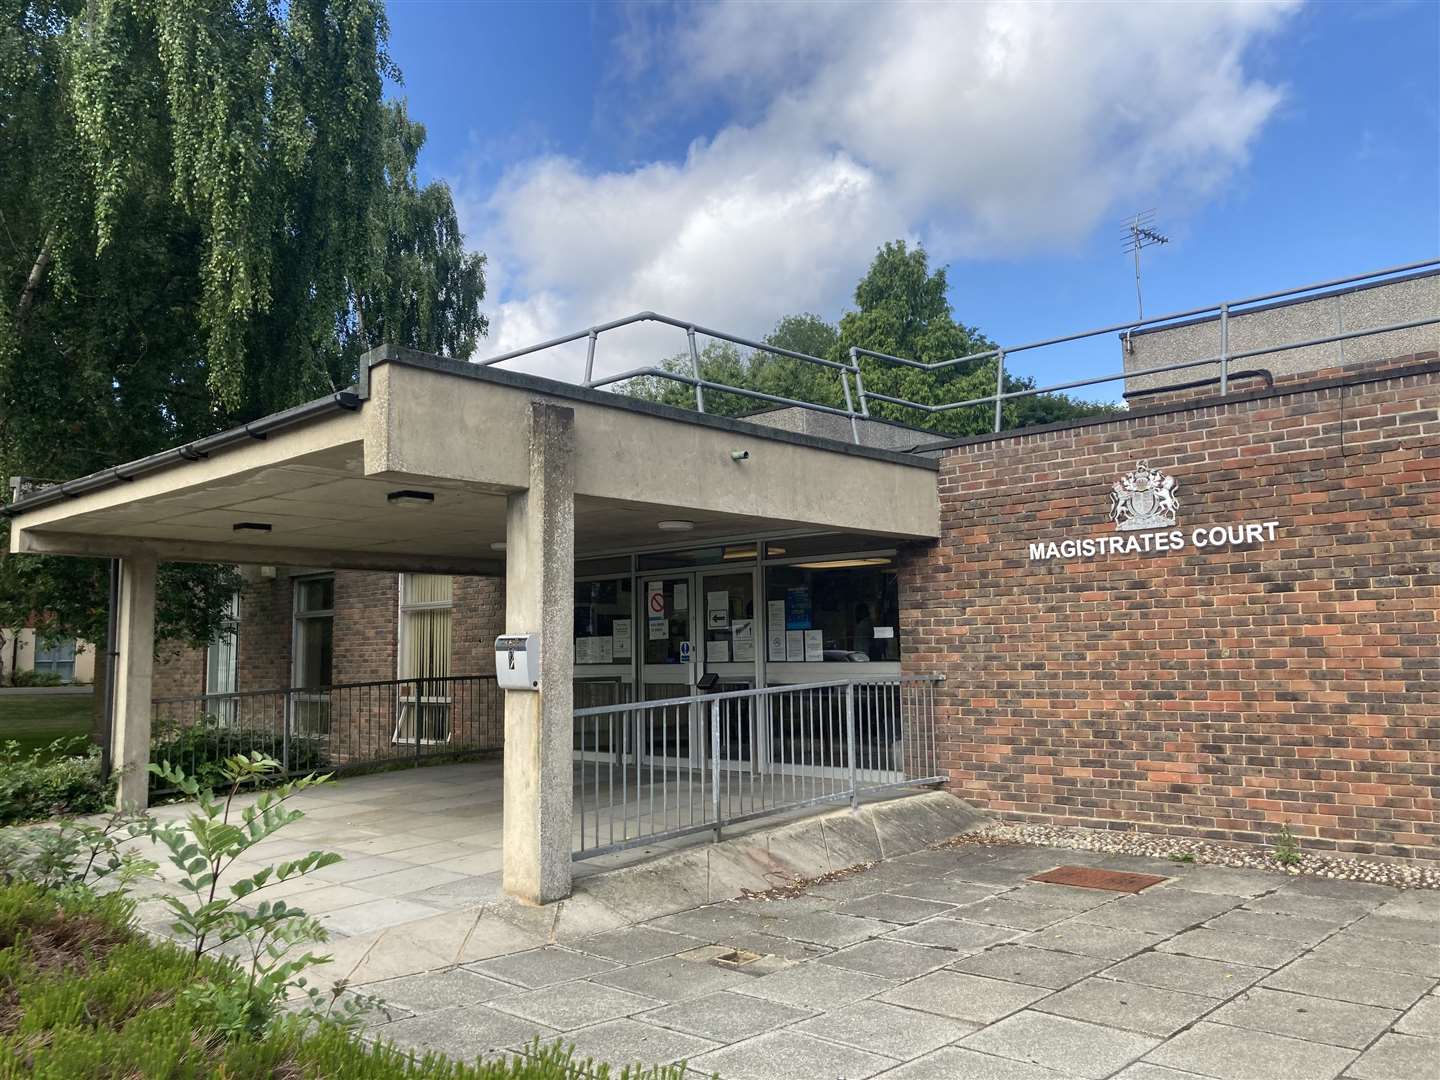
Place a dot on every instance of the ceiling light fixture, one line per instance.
(841, 564)
(410, 498)
(675, 525)
(252, 526)
(499, 545)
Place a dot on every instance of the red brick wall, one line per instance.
(179, 671)
(1200, 692)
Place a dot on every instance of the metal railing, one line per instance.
(857, 403)
(332, 728)
(649, 771)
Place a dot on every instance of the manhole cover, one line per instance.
(1087, 877)
(736, 958)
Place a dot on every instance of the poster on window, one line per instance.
(657, 630)
(717, 652)
(717, 610)
(682, 596)
(814, 646)
(797, 608)
(604, 650)
(620, 639)
(742, 634)
(775, 641)
(794, 646)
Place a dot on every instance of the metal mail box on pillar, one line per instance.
(517, 661)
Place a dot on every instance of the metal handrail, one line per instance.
(754, 691)
(432, 679)
(857, 406)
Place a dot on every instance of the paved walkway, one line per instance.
(952, 964)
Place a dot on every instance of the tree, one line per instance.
(902, 309)
(207, 213)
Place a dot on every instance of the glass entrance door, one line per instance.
(668, 665)
(730, 632)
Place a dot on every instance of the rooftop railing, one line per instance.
(858, 399)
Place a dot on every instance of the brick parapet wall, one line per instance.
(1217, 693)
(1243, 383)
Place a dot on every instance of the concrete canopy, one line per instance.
(321, 483)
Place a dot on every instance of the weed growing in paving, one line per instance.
(1287, 848)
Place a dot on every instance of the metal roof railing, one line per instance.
(857, 401)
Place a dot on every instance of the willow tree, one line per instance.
(207, 212)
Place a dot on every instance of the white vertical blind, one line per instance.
(425, 601)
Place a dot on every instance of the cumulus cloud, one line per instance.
(981, 128)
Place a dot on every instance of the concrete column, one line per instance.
(540, 598)
(130, 735)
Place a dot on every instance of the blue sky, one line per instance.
(735, 163)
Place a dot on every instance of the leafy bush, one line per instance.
(31, 677)
(62, 778)
(82, 994)
(201, 749)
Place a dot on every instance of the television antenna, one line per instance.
(1140, 233)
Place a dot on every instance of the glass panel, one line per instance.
(677, 606)
(314, 652)
(854, 607)
(425, 589)
(426, 639)
(729, 614)
(700, 556)
(315, 594)
(619, 564)
(793, 546)
(604, 623)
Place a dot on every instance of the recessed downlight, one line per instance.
(675, 525)
(410, 498)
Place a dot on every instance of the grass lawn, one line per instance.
(35, 720)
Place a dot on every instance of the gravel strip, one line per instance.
(1202, 852)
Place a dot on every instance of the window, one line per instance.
(604, 627)
(425, 627)
(851, 601)
(57, 657)
(221, 659)
(314, 663)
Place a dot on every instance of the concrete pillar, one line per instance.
(540, 598)
(130, 735)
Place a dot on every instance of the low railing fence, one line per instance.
(648, 771)
(332, 728)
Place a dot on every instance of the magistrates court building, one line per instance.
(1210, 615)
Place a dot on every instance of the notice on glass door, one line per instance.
(656, 627)
(742, 632)
(620, 639)
(794, 646)
(814, 646)
(775, 641)
(682, 596)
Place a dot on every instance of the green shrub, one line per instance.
(31, 677)
(201, 749)
(83, 994)
(62, 778)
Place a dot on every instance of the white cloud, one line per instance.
(980, 128)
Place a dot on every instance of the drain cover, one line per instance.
(1087, 877)
(736, 958)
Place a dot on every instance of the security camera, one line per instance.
(739, 455)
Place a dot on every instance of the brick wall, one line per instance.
(1212, 692)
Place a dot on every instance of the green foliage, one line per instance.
(31, 677)
(1287, 848)
(203, 748)
(62, 778)
(93, 998)
(76, 855)
(902, 309)
(207, 213)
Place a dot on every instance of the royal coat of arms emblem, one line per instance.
(1144, 499)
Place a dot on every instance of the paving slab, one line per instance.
(1337, 889)
(953, 1063)
(436, 990)
(972, 998)
(1302, 1016)
(630, 1042)
(1034, 967)
(989, 873)
(464, 1033)
(888, 907)
(1285, 902)
(1016, 914)
(1189, 974)
(1422, 1019)
(636, 944)
(1146, 1009)
(1387, 989)
(1399, 1057)
(790, 1055)
(1420, 931)
(1236, 1054)
(1274, 925)
(1386, 954)
(889, 959)
(1057, 1042)
(1226, 881)
(541, 967)
(1144, 1070)
(1091, 939)
(726, 1017)
(827, 928)
(378, 914)
(1234, 948)
(1068, 897)
(674, 978)
(566, 1006)
(953, 934)
(1412, 904)
(886, 1029)
(1164, 911)
(815, 986)
(948, 890)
